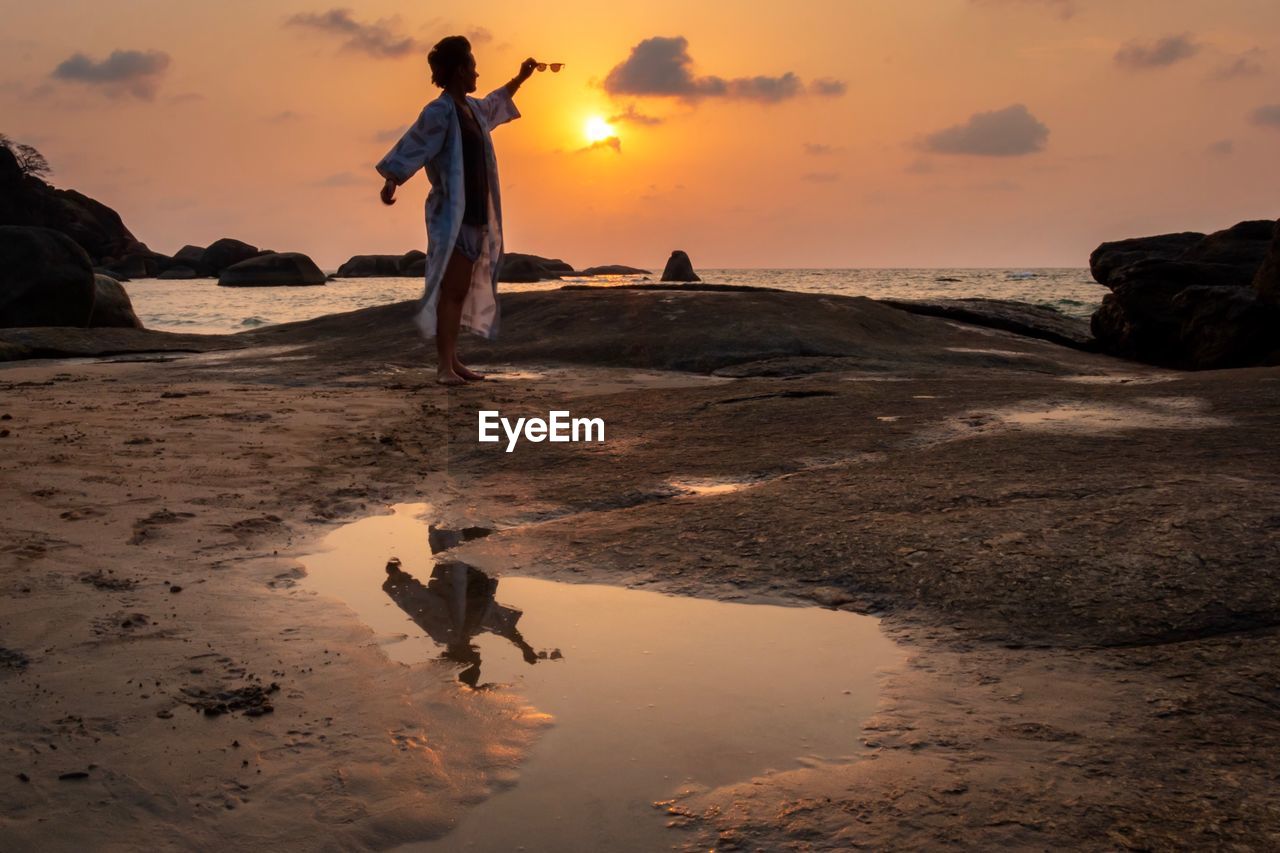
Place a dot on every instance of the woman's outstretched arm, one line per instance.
(420, 143)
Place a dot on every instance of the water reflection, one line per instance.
(455, 605)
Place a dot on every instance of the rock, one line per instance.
(189, 256)
(112, 306)
(679, 268)
(46, 279)
(26, 200)
(1196, 309)
(369, 266)
(275, 269)
(614, 269)
(225, 253)
(413, 263)
(1034, 321)
(518, 267)
(120, 277)
(1111, 256)
(177, 273)
(1267, 281)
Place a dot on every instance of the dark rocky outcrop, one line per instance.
(413, 263)
(46, 279)
(178, 273)
(370, 266)
(519, 267)
(225, 253)
(26, 200)
(275, 269)
(112, 306)
(1190, 301)
(614, 269)
(1034, 321)
(679, 268)
(1267, 281)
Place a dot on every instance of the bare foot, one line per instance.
(466, 372)
(448, 377)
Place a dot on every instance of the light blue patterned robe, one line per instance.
(434, 142)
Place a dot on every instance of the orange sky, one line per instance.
(952, 132)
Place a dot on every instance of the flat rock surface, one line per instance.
(1079, 553)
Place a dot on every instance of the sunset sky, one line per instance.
(818, 133)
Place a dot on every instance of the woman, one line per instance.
(451, 141)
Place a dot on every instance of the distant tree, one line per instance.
(30, 161)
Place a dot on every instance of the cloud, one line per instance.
(479, 35)
(1010, 132)
(631, 115)
(285, 117)
(124, 72)
(186, 98)
(818, 149)
(920, 166)
(661, 67)
(1266, 116)
(820, 177)
(1245, 65)
(1139, 56)
(1221, 148)
(828, 86)
(1064, 9)
(609, 142)
(377, 39)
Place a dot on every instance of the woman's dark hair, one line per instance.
(446, 57)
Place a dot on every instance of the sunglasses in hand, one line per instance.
(554, 66)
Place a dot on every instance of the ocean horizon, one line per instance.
(201, 306)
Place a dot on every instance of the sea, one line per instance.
(200, 305)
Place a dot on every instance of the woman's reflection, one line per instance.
(455, 605)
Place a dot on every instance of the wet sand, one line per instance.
(1078, 555)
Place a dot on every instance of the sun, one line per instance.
(598, 129)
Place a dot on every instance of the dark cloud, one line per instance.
(1247, 64)
(1138, 56)
(631, 115)
(378, 39)
(827, 86)
(479, 35)
(609, 142)
(1267, 116)
(285, 117)
(662, 67)
(820, 177)
(1064, 9)
(1010, 132)
(818, 149)
(1221, 148)
(124, 72)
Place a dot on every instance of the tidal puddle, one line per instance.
(701, 488)
(650, 693)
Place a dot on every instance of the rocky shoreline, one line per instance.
(1078, 552)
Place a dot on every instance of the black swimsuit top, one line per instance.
(474, 169)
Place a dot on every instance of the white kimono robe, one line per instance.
(434, 142)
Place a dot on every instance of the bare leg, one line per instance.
(453, 292)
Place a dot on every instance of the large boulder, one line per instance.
(112, 306)
(178, 273)
(1196, 308)
(614, 269)
(369, 266)
(1109, 257)
(225, 253)
(679, 268)
(276, 269)
(413, 263)
(519, 267)
(1267, 281)
(46, 279)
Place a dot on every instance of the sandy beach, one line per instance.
(1075, 553)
